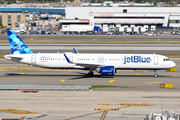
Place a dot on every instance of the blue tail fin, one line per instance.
(16, 44)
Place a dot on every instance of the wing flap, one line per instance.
(87, 65)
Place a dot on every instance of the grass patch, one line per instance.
(119, 87)
(111, 87)
(96, 42)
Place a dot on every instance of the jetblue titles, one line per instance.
(136, 59)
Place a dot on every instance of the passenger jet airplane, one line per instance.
(105, 64)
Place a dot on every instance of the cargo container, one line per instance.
(129, 30)
(106, 29)
(132, 26)
(146, 27)
(153, 28)
(121, 30)
(136, 30)
(111, 28)
(76, 29)
(165, 116)
(143, 29)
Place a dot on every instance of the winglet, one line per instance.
(67, 59)
(75, 50)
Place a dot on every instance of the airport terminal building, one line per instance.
(123, 16)
(138, 16)
(13, 16)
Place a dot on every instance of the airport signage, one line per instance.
(166, 85)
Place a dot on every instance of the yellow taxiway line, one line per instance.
(62, 80)
(111, 81)
(154, 82)
(104, 115)
(15, 111)
(137, 73)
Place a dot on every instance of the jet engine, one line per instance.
(106, 70)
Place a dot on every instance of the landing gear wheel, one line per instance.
(90, 74)
(155, 75)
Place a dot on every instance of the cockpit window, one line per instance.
(166, 59)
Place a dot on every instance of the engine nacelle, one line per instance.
(107, 70)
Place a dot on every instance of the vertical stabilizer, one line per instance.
(16, 44)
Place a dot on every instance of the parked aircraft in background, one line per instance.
(105, 64)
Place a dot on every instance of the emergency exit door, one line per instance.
(156, 60)
(71, 58)
(33, 59)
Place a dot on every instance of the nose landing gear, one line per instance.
(155, 73)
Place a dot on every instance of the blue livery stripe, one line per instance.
(67, 58)
(75, 51)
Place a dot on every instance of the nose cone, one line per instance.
(173, 64)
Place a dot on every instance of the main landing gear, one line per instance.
(90, 74)
(155, 73)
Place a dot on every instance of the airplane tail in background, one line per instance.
(16, 44)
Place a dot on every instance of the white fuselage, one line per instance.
(120, 61)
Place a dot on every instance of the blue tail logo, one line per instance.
(16, 44)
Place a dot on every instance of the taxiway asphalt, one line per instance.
(99, 48)
(87, 105)
(139, 79)
(146, 97)
(99, 38)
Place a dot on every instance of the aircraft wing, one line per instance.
(86, 65)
